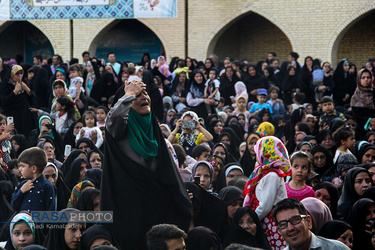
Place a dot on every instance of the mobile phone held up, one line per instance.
(68, 149)
(9, 120)
(188, 124)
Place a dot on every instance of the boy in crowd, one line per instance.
(261, 104)
(35, 193)
(329, 113)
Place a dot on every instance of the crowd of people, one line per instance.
(192, 154)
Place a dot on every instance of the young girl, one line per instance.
(241, 109)
(297, 101)
(266, 186)
(276, 103)
(76, 82)
(301, 168)
(5, 144)
(193, 133)
(211, 89)
(64, 115)
(59, 90)
(90, 130)
(205, 172)
(101, 114)
(344, 140)
(22, 232)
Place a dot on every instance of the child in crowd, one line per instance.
(76, 82)
(318, 78)
(329, 113)
(301, 168)
(276, 103)
(164, 68)
(212, 88)
(297, 101)
(241, 104)
(101, 114)
(344, 140)
(193, 134)
(35, 193)
(201, 153)
(64, 117)
(90, 130)
(5, 145)
(261, 104)
(205, 172)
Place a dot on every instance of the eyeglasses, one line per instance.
(49, 148)
(19, 73)
(77, 127)
(294, 221)
(322, 157)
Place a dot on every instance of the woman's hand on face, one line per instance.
(197, 124)
(17, 88)
(134, 88)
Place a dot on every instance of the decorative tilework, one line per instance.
(120, 9)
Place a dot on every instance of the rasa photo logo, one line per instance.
(64, 217)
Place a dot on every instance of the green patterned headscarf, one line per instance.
(40, 127)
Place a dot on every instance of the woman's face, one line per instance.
(95, 160)
(142, 105)
(369, 156)
(88, 68)
(371, 139)
(327, 142)
(233, 174)
(252, 71)
(77, 128)
(82, 171)
(229, 72)
(372, 173)
(198, 78)
(366, 80)
(218, 127)
(309, 62)
(72, 235)
(370, 213)
(226, 139)
(299, 138)
(181, 78)
(3, 124)
(50, 174)
(219, 151)
(60, 76)
(306, 148)
(266, 73)
(204, 176)
(124, 77)
(18, 76)
(347, 238)
(49, 150)
(208, 64)
(346, 67)
(327, 67)
(231, 208)
(292, 72)
(264, 65)
(323, 195)
(320, 159)
(188, 62)
(248, 224)
(251, 146)
(361, 183)
(241, 120)
(22, 236)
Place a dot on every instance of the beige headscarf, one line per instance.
(363, 97)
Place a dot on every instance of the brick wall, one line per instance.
(358, 43)
(315, 28)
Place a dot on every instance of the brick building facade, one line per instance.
(329, 30)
